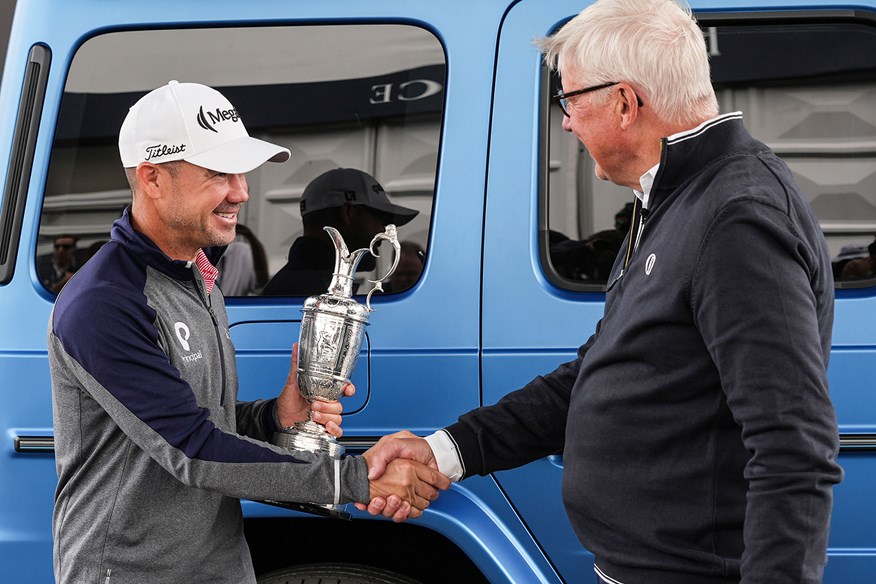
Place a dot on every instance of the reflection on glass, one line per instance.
(365, 97)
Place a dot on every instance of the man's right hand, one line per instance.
(402, 444)
(405, 489)
(410, 448)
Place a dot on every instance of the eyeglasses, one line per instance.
(63, 246)
(562, 99)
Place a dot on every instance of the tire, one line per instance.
(334, 574)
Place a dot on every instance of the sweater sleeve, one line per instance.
(756, 302)
(523, 426)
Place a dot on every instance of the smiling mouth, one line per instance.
(228, 215)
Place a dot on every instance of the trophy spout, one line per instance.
(346, 263)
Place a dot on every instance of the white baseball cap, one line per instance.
(195, 123)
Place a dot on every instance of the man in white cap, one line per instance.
(153, 450)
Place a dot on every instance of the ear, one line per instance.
(627, 105)
(150, 178)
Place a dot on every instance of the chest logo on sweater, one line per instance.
(183, 333)
(649, 264)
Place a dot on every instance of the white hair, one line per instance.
(654, 45)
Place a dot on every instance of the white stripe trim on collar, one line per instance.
(687, 134)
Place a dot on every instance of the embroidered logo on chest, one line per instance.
(649, 264)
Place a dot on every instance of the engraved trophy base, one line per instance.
(311, 437)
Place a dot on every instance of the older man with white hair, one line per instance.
(699, 440)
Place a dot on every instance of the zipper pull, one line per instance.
(616, 280)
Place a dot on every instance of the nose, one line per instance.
(567, 123)
(238, 191)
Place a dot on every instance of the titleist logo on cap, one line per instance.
(160, 150)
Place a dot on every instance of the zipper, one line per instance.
(616, 280)
(633, 245)
(208, 304)
(643, 218)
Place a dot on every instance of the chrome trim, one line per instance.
(848, 442)
(47, 443)
(358, 444)
(35, 444)
(857, 442)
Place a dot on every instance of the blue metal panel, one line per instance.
(27, 481)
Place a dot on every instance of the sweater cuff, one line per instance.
(446, 455)
(270, 419)
(354, 484)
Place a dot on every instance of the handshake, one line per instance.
(403, 477)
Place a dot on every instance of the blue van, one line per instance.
(447, 104)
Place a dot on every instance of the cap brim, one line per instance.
(240, 156)
(398, 215)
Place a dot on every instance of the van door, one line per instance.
(543, 292)
(338, 92)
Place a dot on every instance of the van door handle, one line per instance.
(29, 444)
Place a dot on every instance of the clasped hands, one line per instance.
(402, 472)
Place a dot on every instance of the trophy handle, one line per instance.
(390, 235)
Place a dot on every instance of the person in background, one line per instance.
(351, 201)
(410, 266)
(243, 268)
(698, 436)
(56, 269)
(861, 268)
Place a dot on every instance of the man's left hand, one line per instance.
(292, 407)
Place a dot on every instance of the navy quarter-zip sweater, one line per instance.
(152, 448)
(699, 439)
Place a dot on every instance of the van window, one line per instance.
(364, 96)
(806, 90)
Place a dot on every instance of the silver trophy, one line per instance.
(331, 337)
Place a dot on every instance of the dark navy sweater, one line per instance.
(699, 439)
